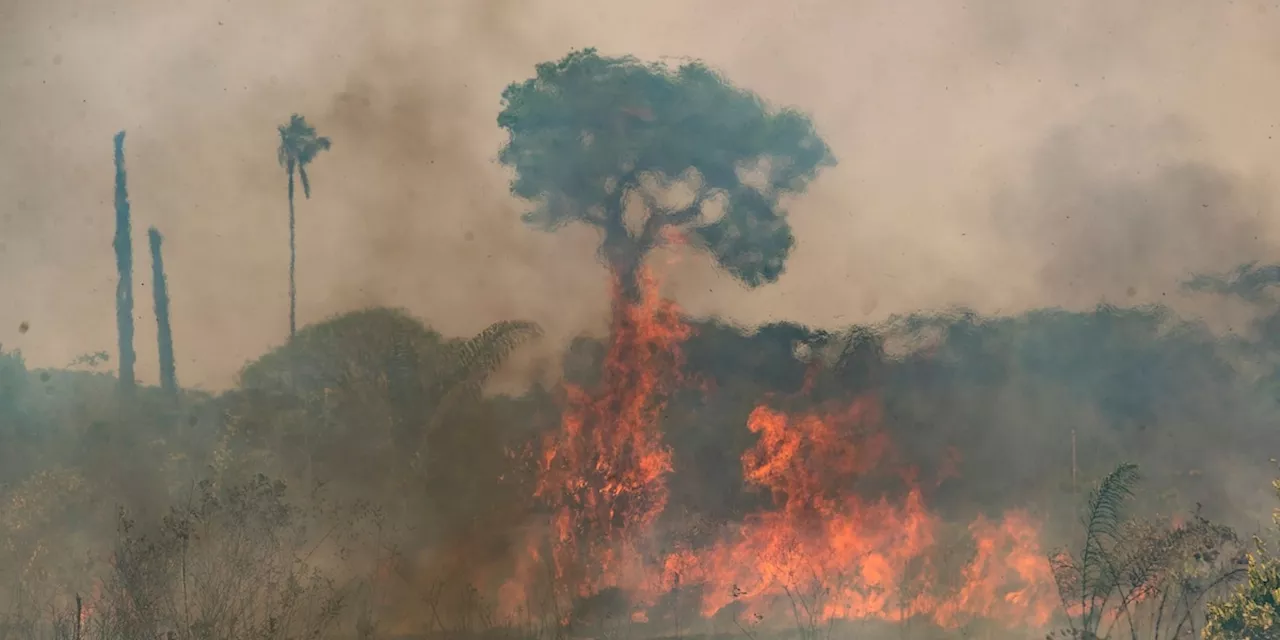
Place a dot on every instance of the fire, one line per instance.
(816, 537)
(603, 475)
(1008, 578)
(858, 558)
(848, 534)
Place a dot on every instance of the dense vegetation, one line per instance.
(386, 416)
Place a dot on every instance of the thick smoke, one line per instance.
(1114, 209)
(935, 109)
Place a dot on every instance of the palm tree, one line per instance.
(299, 145)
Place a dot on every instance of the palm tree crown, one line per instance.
(299, 145)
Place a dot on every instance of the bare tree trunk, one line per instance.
(164, 333)
(123, 245)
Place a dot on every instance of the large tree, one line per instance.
(615, 142)
(299, 145)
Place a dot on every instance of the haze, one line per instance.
(997, 155)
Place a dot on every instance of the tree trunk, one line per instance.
(164, 334)
(293, 260)
(123, 245)
(626, 268)
(628, 274)
(627, 297)
(624, 253)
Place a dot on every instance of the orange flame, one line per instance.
(823, 546)
(855, 556)
(603, 474)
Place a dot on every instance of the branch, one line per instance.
(611, 221)
(659, 219)
(689, 213)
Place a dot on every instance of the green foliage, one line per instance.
(299, 146)
(459, 372)
(377, 382)
(384, 347)
(13, 384)
(90, 360)
(16, 433)
(1091, 579)
(1126, 360)
(1252, 612)
(1250, 281)
(1104, 514)
(1136, 383)
(466, 364)
(341, 351)
(1255, 284)
(1144, 574)
(588, 132)
(766, 354)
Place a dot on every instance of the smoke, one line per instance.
(1112, 210)
(967, 133)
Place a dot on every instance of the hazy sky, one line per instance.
(994, 153)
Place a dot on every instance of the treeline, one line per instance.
(375, 408)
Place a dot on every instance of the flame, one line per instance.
(848, 557)
(848, 534)
(88, 607)
(603, 474)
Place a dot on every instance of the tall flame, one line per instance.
(604, 474)
(832, 546)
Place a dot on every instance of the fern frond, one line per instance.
(1100, 571)
(470, 362)
(467, 364)
(1106, 503)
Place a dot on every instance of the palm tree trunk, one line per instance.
(164, 334)
(293, 260)
(123, 245)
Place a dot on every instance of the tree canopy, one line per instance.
(590, 137)
(299, 145)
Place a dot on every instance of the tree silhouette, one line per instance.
(164, 333)
(299, 145)
(611, 142)
(123, 245)
(376, 380)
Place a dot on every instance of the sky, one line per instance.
(998, 155)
